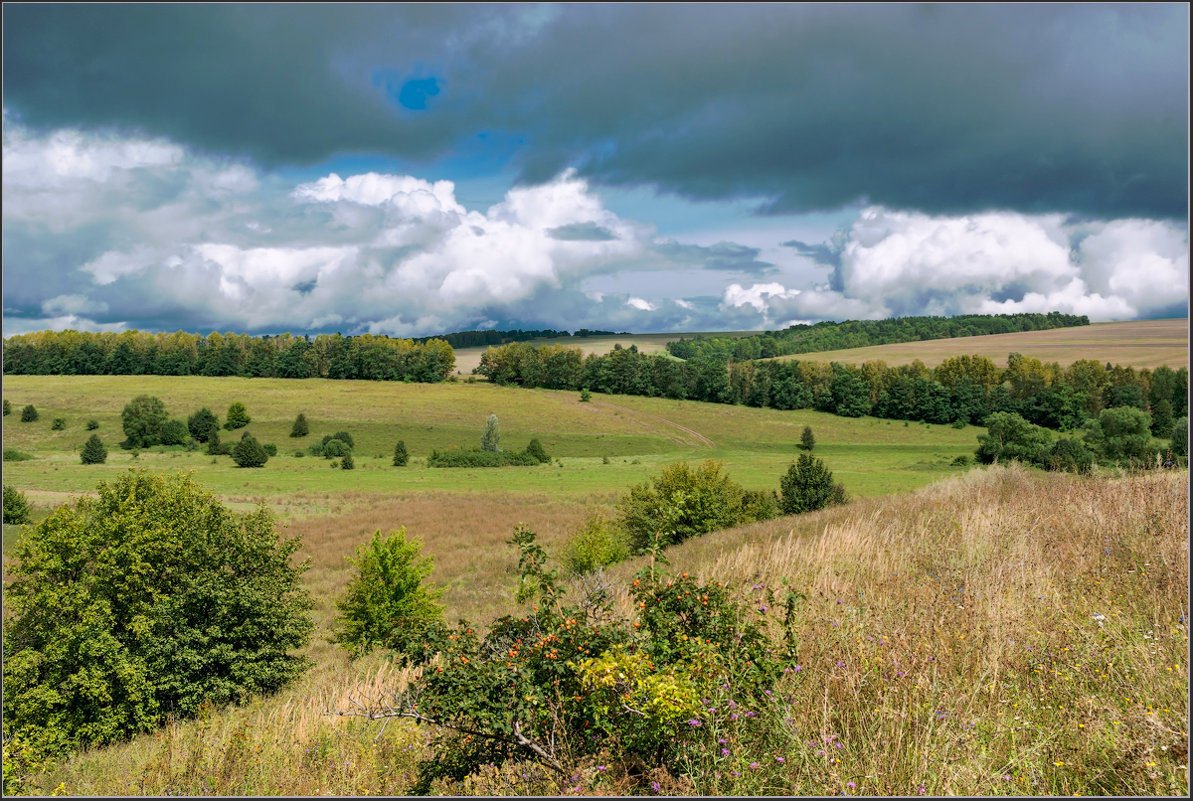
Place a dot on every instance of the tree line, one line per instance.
(367, 356)
(828, 335)
(961, 390)
(480, 339)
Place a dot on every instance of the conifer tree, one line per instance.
(401, 457)
(94, 451)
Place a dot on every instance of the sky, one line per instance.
(412, 170)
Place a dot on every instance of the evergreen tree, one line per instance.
(249, 453)
(29, 414)
(1162, 418)
(203, 425)
(1180, 437)
(807, 486)
(94, 451)
(16, 507)
(300, 428)
(346, 462)
(400, 455)
(7, 408)
(807, 439)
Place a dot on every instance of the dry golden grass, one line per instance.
(948, 641)
(1140, 343)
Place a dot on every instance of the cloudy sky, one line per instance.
(412, 170)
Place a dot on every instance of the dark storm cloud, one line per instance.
(941, 108)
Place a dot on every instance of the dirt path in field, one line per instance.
(668, 429)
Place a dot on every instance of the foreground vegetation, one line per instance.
(1005, 632)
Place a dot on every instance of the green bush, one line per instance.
(585, 395)
(29, 414)
(347, 463)
(1121, 434)
(1180, 437)
(401, 457)
(962, 461)
(146, 602)
(1009, 438)
(535, 449)
(249, 453)
(59, 424)
(270, 449)
(203, 425)
(807, 439)
(807, 486)
(599, 542)
(759, 505)
(300, 427)
(7, 407)
(335, 448)
(94, 451)
(342, 436)
(13, 455)
(92, 425)
(174, 432)
(680, 503)
(143, 418)
(217, 448)
(388, 602)
(479, 458)
(16, 506)
(548, 686)
(238, 417)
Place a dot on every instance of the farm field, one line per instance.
(468, 359)
(1143, 343)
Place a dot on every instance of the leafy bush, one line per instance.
(203, 425)
(16, 506)
(387, 603)
(599, 542)
(585, 395)
(962, 461)
(174, 432)
(143, 418)
(401, 457)
(143, 602)
(563, 683)
(29, 414)
(682, 502)
(807, 486)
(59, 424)
(1121, 433)
(1069, 455)
(13, 455)
(759, 505)
(535, 449)
(342, 436)
(7, 407)
(270, 449)
(300, 427)
(249, 453)
(92, 425)
(1009, 437)
(479, 458)
(216, 448)
(347, 463)
(94, 451)
(335, 448)
(238, 417)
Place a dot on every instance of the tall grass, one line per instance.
(1005, 632)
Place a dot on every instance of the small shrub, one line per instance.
(962, 461)
(958, 424)
(249, 453)
(300, 427)
(94, 451)
(342, 436)
(13, 455)
(346, 463)
(238, 417)
(1069, 455)
(335, 448)
(300, 454)
(29, 414)
(535, 449)
(174, 432)
(59, 424)
(92, 425)
(680, 503)
(401, 457)
(807, 439)
(388, 602)
(599, 542)
(16, 507)
(7, 407)
(270, 449)
(808, 486)
(479, 458)
(758, 505)
(585, 395)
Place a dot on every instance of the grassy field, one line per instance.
(1143, 343)
(948, 646)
